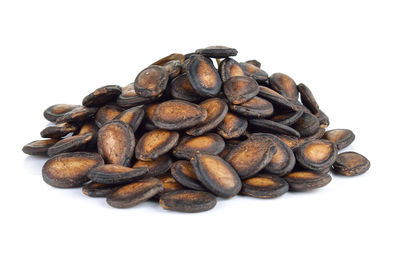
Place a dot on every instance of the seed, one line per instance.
(273, 127)
(307, 124)
(77, 115)
(284, 85)
(169, 184)
(255, 107)
(210, 143)
(133, 117)
(288, 118)
(155, 143)
(102, 96)
(238, 89)
(252, 155)
(351, 164)
(70, 144)
(107, 113)
(69, 170)
(98, 190)
(181, 89)
(229, 145)
(183, 172)
(307, 98)
(89, 127)
(216, 112)
(217, 51)
(255, 72)
(188, 201)
(320, 132)
(323, 119)
(276, 99)
(55, 111)
(116, 143)
(254, 62)
(341, 137)
(316, 155)
(174, 68)
(134, 193)
(265, 186)
(39, 147)
(113, 174)
(156, 167)
(291, 141)
(306, 180)
(232, 126)
(203, 76)
(230, 68)
(58, 131)
(151, 82)
(167, 59)
(129, 98)
(178, 114)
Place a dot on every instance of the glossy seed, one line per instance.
(151, 82)
(203, 76)
(307, 98)
(69, 170)
(102, 96)
(216, 112)
(188, 201)
(306, 180)
(98, 190)
(217, 51)
(276, 99)
(210, 143)
(70, 144)
(288, 118)
(129, 98)
(156, 167)
(230, 68)
(255, 107)
(316, 155)
(114, 173)
(239, 89)
(181, 89)
(341, 137)
(255, 72)
(306, 125)
(265, 186)
(106, 114)
(252, 155)
(77, 115)
(351, 164)
(216, 175)
(155, 143)
(39, 147)
(178, 114)
(55, 111)
(273, 127)
(58, 131)
(284, 85)
(116, 143)
(183, 172)
(232, 126)
(134, 193)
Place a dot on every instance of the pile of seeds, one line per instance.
(185, 132)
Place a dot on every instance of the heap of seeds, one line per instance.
(185, 132)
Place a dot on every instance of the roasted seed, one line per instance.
(210, 143)
(273, 127)
(341, 137)
(102, 96)
(151, 82)
(129, 98)
(188, 201)
(255, 107)
(265, 186)
(183, 172)
(230, 68)
(232, 126)
(276, 99)
(98, 190)
(155, 143)
(306, 180)
(351, 164)
(288, 118)
(239, 89)
(70, 144)
(254, 62)
(114, 173)
(181, 89)
(55, 111)
(307, 98)
(255, 72)
(39, 147)
(167, 59)
(77, 115)
(58, 131)
(316, 155)
(133, 117)
(307, 124)
(156, 167)
(169, 184)
(106, 114)
(284, 85)
(217, 51)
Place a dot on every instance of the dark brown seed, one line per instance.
(230, 68)
(239, 89)
(89, 127)
(255, 107)
(116, 143)
(167, 59)
(58, 131)
(284, 85)
(134, 193)
(276, 99)
(316, 155)
(307, 124)
(216, 175)
(315, 136)
(307, 98)
(98, 190)
(306, 180)
(229, 145)
(323, 119)
(255, 72)
(151, 82)
(291, 141)
(188, 201)
(183, 172)
(216, 112)
(203, 76)
(129, 98)
(55, 111)
(283, 160)
(288, 118)
(273, 127)
(77, 115)
(174, 68)
(252, 155)
(178, 114)
(70, 144)
(113, 174)
(265, 186)
(155, 143)
(351, 164)
(69, 170)
(181, 89)
(106, 114)
(217, 51)
(169, 183)
(232, 126)
(341, 137)
(39, 147)
(133, 117)
(102, 96)
(210, 143)
(149, 110)
(156, 167)
(254, 62)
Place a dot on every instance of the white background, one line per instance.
(347, 52)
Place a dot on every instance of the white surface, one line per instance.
(347, 52)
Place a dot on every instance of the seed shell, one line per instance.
(276, 99)
(217, 51)
(39, 147)
(307, 124)
(106, 114)
(273, 127)
(255, 107)
(151, 82)
(181, 89)
(341, 137)
(239, 89)
(306, 180)
(210, 143)
(254, 62)
(58, 131)
(284, 85)
(98, 190)
(70, 144)
(307, 98)
(255, 72)
(55, 111)
(288, 118)
(316, 155)
(169, 184)
(129, 98)
(102, 96)
(156, 167)
(167, 59)
(155, 143)
(133, 116)
(114, 173)
(230, 68)
(265, 186)
(232, 126)
(77, 115)
(351, 164)
(188, 201)
(183, 172)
